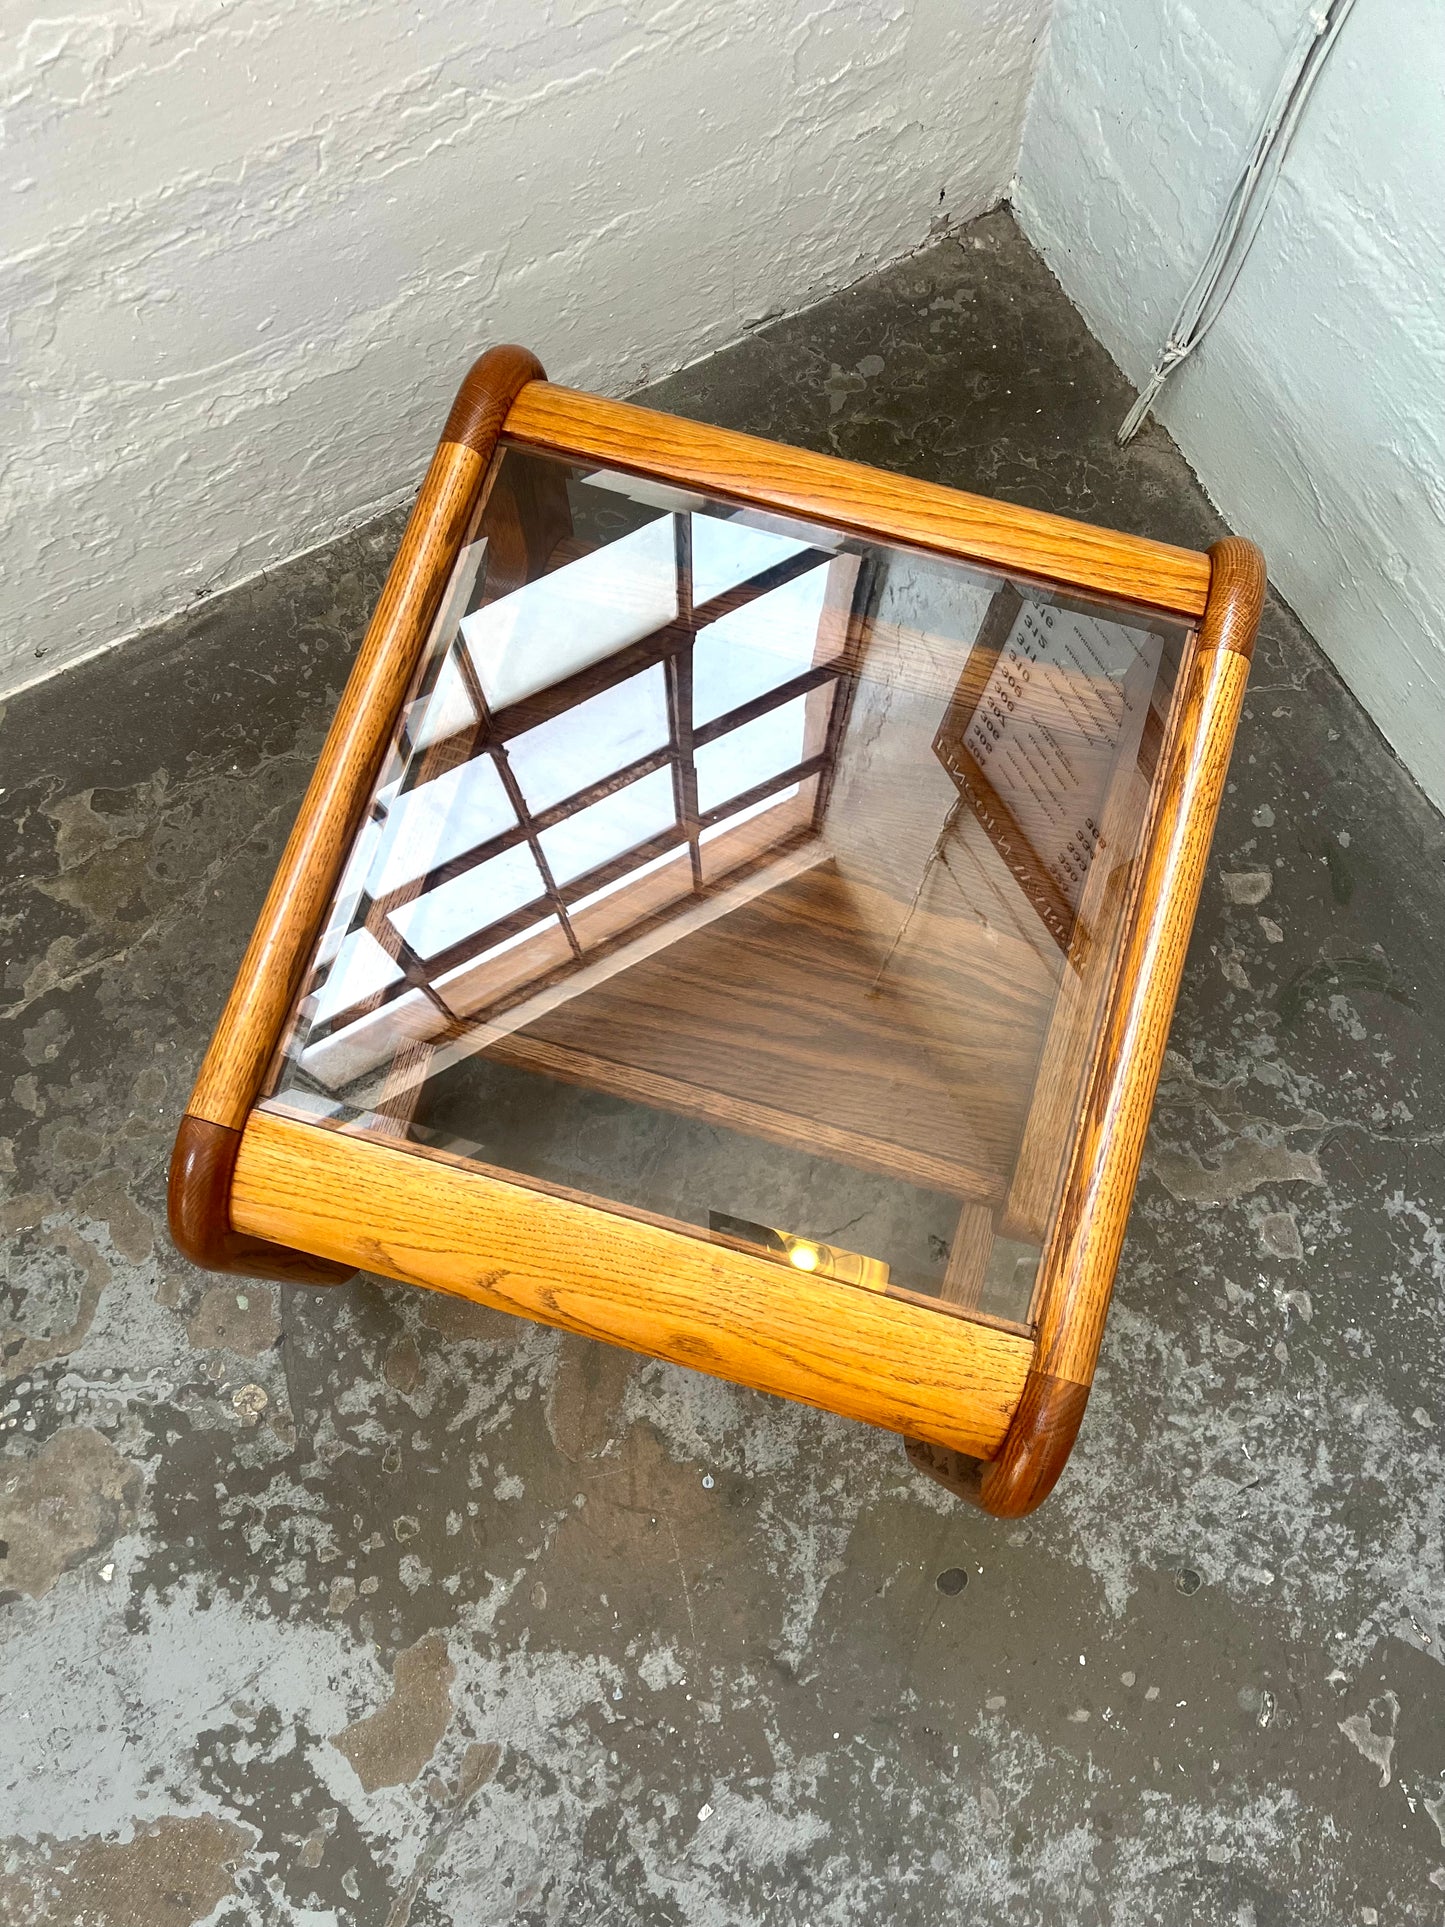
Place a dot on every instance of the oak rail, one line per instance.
(426, 1218)
(868, 502)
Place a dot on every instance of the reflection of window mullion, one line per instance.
(684, 771)
(658, 646)
(638, 657)
(679, 699)
(534, 844)
(517, 800)
(451, 868)
(682, 560)
(604, 787)
(726, 601)
(618, 867)
(447, 753)
(435, 665)
(770, 699)
(415, 975)
(540, 821)
(467, 949)
(377, 911)
(464, 950)
(785, 779)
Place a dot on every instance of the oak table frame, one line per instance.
(990, 1411)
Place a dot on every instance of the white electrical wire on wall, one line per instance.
(1248, 200)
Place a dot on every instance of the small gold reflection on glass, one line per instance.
(804, 1254)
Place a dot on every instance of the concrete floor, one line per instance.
(368, 1607)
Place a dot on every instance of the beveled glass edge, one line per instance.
(1146, 617)
(1063, 593)
(356, 1130)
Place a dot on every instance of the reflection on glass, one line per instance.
(600, 737)
(727, 554)
(454, 911)
(761, 750)
(754, 648)
(549, 629)
(420, 828)
(360, 969)
(744, 874)
(610, 827)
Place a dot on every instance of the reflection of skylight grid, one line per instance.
(528, 641)
(361, 968)
(470, 902)
(725, 554)
(624, 882)
(427, 826)
(595, 739)
(755, 648)
(605, 830)
(464, 972)
(576, 616)
(359, 867)
(748, 756)
(447, 711)
(732, 822)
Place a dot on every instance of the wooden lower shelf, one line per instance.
(799, 1018)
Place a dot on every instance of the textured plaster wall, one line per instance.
(1315, 412)
(249, 246)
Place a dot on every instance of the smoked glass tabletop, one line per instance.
(746, 875)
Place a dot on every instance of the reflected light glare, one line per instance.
(804, 1257)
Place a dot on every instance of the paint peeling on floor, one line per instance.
(375, 1608)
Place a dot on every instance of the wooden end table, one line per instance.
(737, 914)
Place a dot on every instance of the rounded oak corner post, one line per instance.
(1035, 1451)
(1083, 1254)
(198, 1210)
(244, 1041)
(484, 400)
(1237, 584)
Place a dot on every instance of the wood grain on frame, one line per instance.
(968, 1256)
(1077, 1275)
(1079, 1265)
(289, 926)
(864, 501)
(428, 1220)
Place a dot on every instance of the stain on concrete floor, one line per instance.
(370, 1607)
